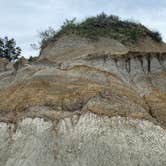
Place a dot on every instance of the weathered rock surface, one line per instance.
(82, 140)
(4, 64)
(85, 103)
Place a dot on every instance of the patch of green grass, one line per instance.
(107, 26)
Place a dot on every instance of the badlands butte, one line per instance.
(85, 102)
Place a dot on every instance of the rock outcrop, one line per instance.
(85, 103)
(4, 63)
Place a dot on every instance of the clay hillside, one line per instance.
(95, 96)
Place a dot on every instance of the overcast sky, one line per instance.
(22, 19)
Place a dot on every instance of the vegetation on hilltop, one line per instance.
(102, 25)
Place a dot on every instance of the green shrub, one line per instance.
(155, 36)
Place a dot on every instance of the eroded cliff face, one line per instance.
(82, 140)
(85, 104)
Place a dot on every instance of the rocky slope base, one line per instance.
(85, 103)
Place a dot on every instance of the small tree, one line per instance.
(1, 48)
(47, 34)
(44, 37)
(8, 49)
